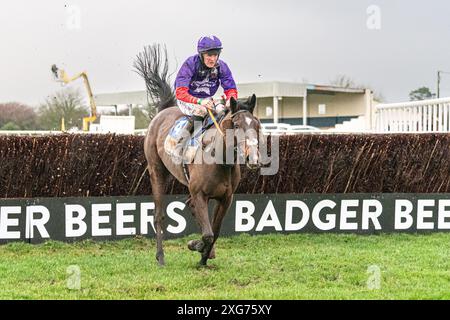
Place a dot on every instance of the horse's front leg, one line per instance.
(199, 206)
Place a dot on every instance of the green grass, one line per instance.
(301, 266)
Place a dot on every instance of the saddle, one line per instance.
(192, 144)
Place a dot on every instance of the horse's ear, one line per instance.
(251, 102)
(233, 105)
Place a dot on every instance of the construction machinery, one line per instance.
(61, 76)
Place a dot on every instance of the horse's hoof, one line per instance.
(191, 245)
(202, 262)
(212, 254)
(195, 245)
(161, 261)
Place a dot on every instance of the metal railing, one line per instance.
(417, 116)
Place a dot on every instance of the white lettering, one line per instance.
(330, 218)
(373, 216)
(442, 214)
(346, 214)
(422, 214)
(269, 219)
(146, 218)
(97, 219)
(247, 215)
(177, 217)
(403, 218)
(32, 222)
(122, 218)
(290, 205)
(71, 220)
(6, 221)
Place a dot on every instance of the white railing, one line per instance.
(417, 116)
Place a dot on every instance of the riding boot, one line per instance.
(192, 147)
(185, 132)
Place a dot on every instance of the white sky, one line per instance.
(313, 40)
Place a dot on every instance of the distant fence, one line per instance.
(53, 132)
(418, 116)
(29, 132)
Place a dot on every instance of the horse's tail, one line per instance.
(152, 65)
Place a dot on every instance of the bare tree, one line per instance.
(18, 116)
(67, 104)
(347, 82)
(343, 81)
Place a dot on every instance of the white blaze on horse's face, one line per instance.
(251, 141)
(251, 150)
(246, 133)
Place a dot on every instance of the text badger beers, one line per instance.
(69, 219)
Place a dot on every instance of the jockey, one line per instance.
(199, 78)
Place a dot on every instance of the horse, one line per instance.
(205, 181)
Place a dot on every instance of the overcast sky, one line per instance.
(313, 41)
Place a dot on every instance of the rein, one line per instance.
(219, 130)
(215, 122)
(232, 116)
(217, 125)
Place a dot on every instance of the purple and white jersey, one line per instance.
(202, 81)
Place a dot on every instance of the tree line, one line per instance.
(67, 105)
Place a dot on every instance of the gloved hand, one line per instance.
(219, 108)
(207, 103)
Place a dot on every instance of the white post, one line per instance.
(380, 121)
(445, 106)
(414, 109)
(430, 113)
(368, 111)
(420, 126)
(275, 109)
(305, 108)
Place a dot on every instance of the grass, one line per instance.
(300, 266)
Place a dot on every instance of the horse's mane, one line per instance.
(152, 65)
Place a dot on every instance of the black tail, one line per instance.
(152, 65)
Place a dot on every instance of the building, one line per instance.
(288, 102)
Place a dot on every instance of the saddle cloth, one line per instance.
(192, 143)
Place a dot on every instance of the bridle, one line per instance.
(240, 145)
(218, 126)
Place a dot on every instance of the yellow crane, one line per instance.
(62, 76)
